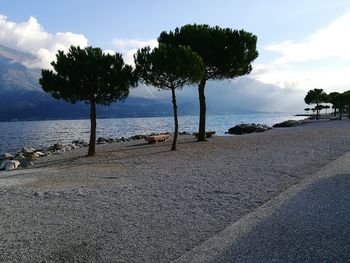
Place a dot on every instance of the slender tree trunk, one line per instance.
(335, 112)
(348, 112)
(340, 113)
(173, 146)
(92, 144)
(317, 112)
(202, 110)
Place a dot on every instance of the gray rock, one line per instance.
(289, 123)
(101, 140)
(80, 143)
(40, 154)
(7, 156)
(137, 137)
(248, 128)
(9, 165)
(23, 161)
(32, 156)
(57, 146)
(27, 150)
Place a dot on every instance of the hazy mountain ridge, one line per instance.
(21, 97)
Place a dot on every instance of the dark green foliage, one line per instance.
(342, 100)
(226, 53)
(326, 107)
(307, 110)
(331, 96)
(331, 99)
(316, 96)
(169, 67)
(319, 107)
(88, 75)
(91, 76)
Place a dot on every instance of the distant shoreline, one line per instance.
(146, 116)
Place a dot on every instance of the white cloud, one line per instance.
(128, 47)
(321, 60)
(333, 41)
(31, 37)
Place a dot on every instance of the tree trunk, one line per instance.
(92, 144)
(173, 146)
(202, 110)
(348, 112)
(317, 112)
(340, 113)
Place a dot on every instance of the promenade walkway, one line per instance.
(310, 222)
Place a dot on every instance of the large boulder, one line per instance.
(40, 154)
(26, 150)
(32, 156)
(288, 123)
(57, 146)
(23, 161)
(6, 156)
(248, 128)
(102, 140)
(80, 143)
(9, 165)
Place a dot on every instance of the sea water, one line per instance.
(15, 135)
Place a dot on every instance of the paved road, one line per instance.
(310, 222)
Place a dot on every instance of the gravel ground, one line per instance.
(136, 202)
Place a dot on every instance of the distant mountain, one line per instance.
(21, 97)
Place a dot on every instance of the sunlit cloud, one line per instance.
(128, 47)
(321, 60)
(333, 41)
(31, 37)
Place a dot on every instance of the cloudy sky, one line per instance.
(302, 44)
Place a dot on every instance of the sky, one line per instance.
(302, 44)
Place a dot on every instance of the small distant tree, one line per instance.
(331, 99)
(307, 110)
(326, 107)
(316, 96)
(313, 110)
(169, 67)
(319, 108)
(343, 102)
(91, 76)
(226, 53)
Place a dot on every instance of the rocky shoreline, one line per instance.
(26, 156)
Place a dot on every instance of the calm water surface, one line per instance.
(14, 135)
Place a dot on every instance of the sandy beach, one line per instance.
(136, 202)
